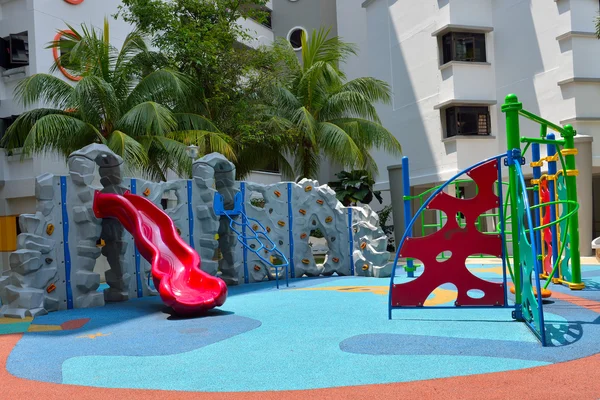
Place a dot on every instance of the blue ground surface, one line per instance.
(312, 335)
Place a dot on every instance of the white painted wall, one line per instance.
(524, 54)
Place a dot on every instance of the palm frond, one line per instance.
(133, 153)
(349, 104)
(372, 89)
(164, 86)
(60, 133)
(307, 124)
(16, 133)
(97, 102)
(321, 47)
(194, 122)
(147, 119)
(339, 145)
(368, 134)
(176, 157)
(207, 141)
(46, 89)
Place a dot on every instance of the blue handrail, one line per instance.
(536, 266)
(243, 238)
(418, 213)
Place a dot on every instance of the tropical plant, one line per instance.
(137, 112)
(325, 114)
(202, 40)
(354, 187)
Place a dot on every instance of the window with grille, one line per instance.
(460, 46)
(467, 120)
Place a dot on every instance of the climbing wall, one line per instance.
(205, 222)
(369, 244)
(35, 283)
(461, 242)
(84, 231)
(274, 217)
(53, 268)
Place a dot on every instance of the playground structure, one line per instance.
(237, 240)
(543, 236)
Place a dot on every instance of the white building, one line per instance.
(456, 60)
(26, 28)
(444, 59)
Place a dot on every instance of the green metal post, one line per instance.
(511, 108)
(571, 182)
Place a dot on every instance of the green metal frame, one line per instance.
(569, 218)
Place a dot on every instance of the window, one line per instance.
(5, 123)
(295, 37)
(458, 46)
(14, 50)
(267, 21)
(465, 120)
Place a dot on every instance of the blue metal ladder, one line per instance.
(237, 210)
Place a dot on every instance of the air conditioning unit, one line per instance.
(14, 51)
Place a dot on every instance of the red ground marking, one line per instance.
(74, 324)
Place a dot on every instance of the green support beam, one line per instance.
(512, 108)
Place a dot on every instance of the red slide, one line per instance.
(176, 271)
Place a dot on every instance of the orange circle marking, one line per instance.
(55, 51)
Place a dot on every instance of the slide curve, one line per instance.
(176, 271)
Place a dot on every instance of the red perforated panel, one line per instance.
(462, 242)
(546, 232)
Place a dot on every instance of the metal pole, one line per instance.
(571, 182)
(551, 149)
(511, 108)
(537, 173)
(407, 210)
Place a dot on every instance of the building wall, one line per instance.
(544, 51)
(308, 14)
(532, 48)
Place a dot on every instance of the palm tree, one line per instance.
(138, 113)
(325, 114)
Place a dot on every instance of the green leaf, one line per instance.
(148, 118)
(133, 153)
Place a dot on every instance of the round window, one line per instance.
(295, 37)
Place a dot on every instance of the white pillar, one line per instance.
(397, 200)
(583, 144)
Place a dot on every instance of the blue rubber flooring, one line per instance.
(321, 332)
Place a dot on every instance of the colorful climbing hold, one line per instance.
(303, 212)
(336, 260)
(308, 188)
(303, 236)
(328, 219)
(51, 288)
(257, 267)
(280, 223)
(101, 243)
(50, 229)
(365, 267)
(363, 245)
(147, 192)
(178, 231)
(320, 202)
(277, 193)
(268, 229)
(48, 260)
(305, 261)
(254, 227)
